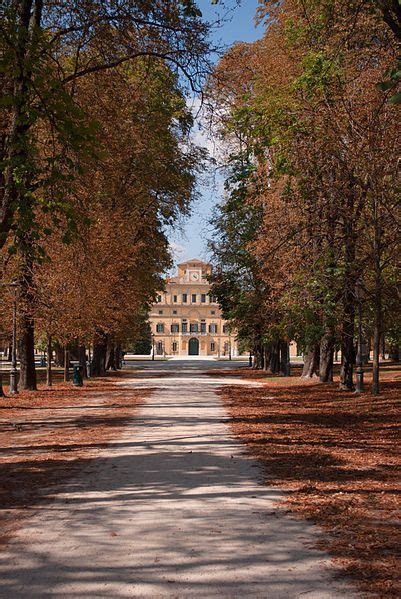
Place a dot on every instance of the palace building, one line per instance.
(186, 319)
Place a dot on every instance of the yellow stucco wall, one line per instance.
(199, 309)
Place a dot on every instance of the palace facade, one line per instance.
(186, 319)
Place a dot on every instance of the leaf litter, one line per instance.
(337, 456)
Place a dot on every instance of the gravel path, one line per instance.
(174, 508)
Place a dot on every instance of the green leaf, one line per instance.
(395, 99)
(385, 85)
(6, 100)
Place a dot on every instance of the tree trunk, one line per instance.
(66, 364)
(58, 355)
(377, 334)
(73, 350)
(311, 361)
(17, 190)
(378, 311)
(266, 356)
(274, 364)
(261, 357)
(9, 353)
(118, 356)
(349, 286)
(383, 345)
(110, 355)
(347, 339)
(394, 353)
(347, 361)
(49, 355)
(2, 394)
(369, 342)
(82, 361)
(326, 357)
(258, 357)
(99, 355)
(284, 358)
(376, 354)
(365, 351)
(27, 379)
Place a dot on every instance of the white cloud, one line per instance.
(201, 134)
(177, 250)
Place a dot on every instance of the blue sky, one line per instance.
(190, 241)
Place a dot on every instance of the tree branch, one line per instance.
(114, 63)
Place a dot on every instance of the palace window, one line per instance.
(175, 299)
(226, 329)
(160, 328)
(184, 327)
(175, 328)
(212, 346)
(203, 327)
(194, 298)
(160, 347)
(174, 311)
(175, 346)
(212, 328)
(158, 299)
(203, 298)
(213, 299)
(160, 311)
(184, 298)
(193, 327)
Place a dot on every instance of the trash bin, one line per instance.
(77, 377)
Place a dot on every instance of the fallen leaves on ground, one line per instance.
(49, 435)
(338, 456)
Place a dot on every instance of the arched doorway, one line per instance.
(193, 347)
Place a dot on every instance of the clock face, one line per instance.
(195, 276)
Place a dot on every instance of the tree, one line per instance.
(94, 289)
(48, 49)
(316, 124)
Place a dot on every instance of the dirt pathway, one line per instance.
(173, 508)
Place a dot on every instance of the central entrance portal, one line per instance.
(193, 348)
